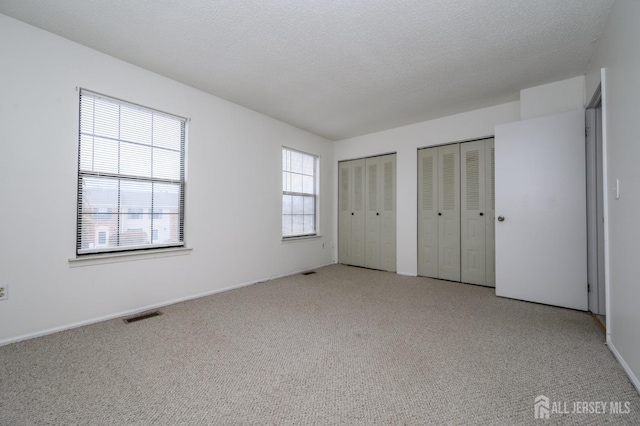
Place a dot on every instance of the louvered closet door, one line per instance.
(428, 212)
(490, 212)
(372, 222)
(449, 212)
(387, 212)
(345, 212)
(473, 191)
(358, 213)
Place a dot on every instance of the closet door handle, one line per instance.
(500, 218)
(439, 214)
(351, 213)
(481, 214)
(377, 214)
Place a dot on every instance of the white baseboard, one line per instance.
(623, 363)
(145, 308)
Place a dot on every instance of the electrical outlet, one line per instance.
(4, 292)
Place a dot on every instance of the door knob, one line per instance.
(500, 218)
(481, 214)
(351, 213)
(439, 214)
(377, 214)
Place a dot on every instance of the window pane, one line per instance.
(296, 162)
(86, 153)
(135, 160)
(105, 156)
(135, 194)
(107, 119)
(298, 224)
(287, 204)
(137, 236)
(307, 184)
(309, 224)
(99, 193)
(298, 205)
(296, 183)
(135, 125)
(308, 165)
(166, 197)
(167, 132)
(166, 164)
(309, 205)
(287, 226)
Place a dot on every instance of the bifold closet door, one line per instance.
(456, 212)
(351, 234)
(472, 213)
(344, 212)
(428, 212)
(490, 212)
(449, 212)
(477, 213)
(380, 218)
(358, 217)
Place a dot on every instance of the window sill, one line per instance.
(303, 238)
(101, 259)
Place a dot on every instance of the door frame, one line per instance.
(595, 204)
(601, 92)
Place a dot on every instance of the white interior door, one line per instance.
(541, 195)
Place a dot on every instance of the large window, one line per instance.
(131, 160)
(299, 193)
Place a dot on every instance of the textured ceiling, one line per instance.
(339, 68)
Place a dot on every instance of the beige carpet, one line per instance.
(343, 346)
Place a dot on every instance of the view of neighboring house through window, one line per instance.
(299, 193)
(130, 178)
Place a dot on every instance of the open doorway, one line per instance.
(595, 207)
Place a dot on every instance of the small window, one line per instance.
(102, 238)
(155, 214)
(130, 176)
(299, 193)
(103, 213)
(134, 214)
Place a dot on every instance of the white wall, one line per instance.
(233, 197)
(553, 98)
(405, 141)
(619, 53)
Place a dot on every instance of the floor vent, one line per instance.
(309, 273)
(143, 317)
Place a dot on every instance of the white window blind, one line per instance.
(299, 193)
(130, 162)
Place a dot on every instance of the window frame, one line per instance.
(315, 194)
(122, 211)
